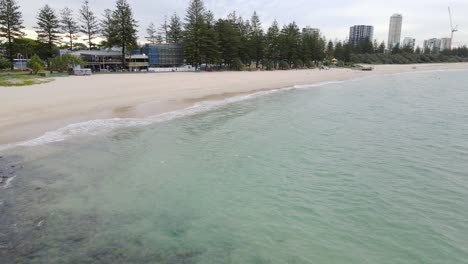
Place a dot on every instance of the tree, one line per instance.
(152, 34)
(175, 30)
(193, 39)
(228, 41)
(330, 49)
(210, 51)
(65, 62)
(381, 48)
(11, 24)
(48, 26)
(256, 39)
(418, 50)
(272, 51)
(106, 27)
(164, 30)
(35, 64)
(123, 28)
(69, 26)
(396, 49)
(290, 40)
(339, 51)
(89, 23)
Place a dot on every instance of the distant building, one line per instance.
(164, 55)
(310, 31)
(432, 45)
(394, 32)
(445, 44)
(360, 32)
(108, 60)
(409, 42)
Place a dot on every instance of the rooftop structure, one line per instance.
(360, 32)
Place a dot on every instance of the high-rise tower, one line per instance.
(394, 32)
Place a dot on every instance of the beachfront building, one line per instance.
(109, 60)
(394, 31)
(164, 55)
(432, 45)
(409, 42)
(99, 60)
(360, 32)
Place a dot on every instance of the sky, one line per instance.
(422, 19)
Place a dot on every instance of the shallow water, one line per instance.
(366, 171)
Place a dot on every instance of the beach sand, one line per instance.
(30, 111)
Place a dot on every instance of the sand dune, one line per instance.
(28, 112)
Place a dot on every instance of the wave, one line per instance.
(95, 127)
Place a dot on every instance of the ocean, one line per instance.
(373, 170)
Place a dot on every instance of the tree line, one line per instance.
(230, 43)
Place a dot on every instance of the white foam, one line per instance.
(95, 127)
(8, 183)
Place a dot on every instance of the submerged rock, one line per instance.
(8, 169)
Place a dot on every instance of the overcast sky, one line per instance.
(422, 19)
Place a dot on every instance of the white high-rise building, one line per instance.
(445, 44)
(394, 32)
(432, 45)
(409, 42)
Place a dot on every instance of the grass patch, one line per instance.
(21, 79)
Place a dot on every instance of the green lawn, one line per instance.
(21, 79)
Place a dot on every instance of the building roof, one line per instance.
(96, 53)
(137, 56)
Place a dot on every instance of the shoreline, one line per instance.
(31, 111)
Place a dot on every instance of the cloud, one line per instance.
(423, 19)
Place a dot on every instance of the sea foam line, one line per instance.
(99, 126)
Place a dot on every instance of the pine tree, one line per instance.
(272, 43)
(290, 39)
(330, 50)
(106, 25)
(210, 50)
(175, 30)
(123, 28)
(11, 24)
(192, 37)
(89, 23)
(152, 34)
(164, 30)
(256, 40)
(339, 51)
(228, 41)
(381, 48)
(68, 25)
(48, 26)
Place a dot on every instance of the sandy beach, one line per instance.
(30, 111)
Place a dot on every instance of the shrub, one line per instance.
(237, 65)
(65, 62)
(309, 64)
(4, 64)
(35, 64)
(298, 64)
(269, 65)
(283, 65)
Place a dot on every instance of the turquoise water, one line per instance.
(367, 171)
